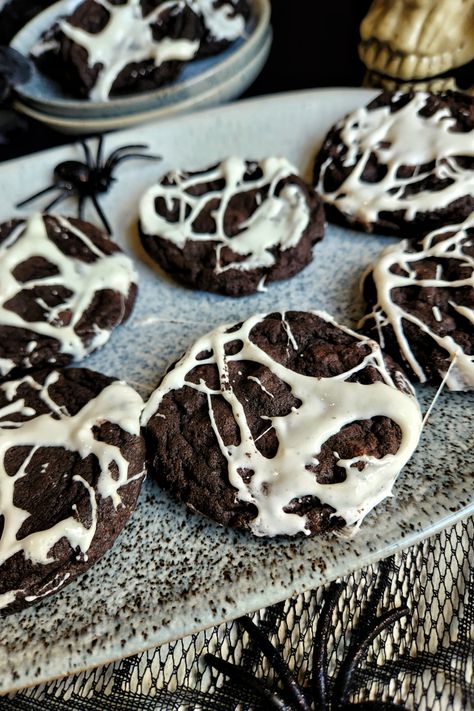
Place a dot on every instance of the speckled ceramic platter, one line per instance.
(198, 77)
(173, 572)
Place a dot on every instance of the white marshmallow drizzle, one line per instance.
(328, 404)
(128, 38)
(279, 220)
(222, 22)
(387, 312)
(83, 279)
(400, 138)
(119, 404)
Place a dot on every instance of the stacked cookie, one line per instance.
(72, 458)
(111, 47)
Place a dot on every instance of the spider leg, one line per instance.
(132, 146)
(320, 645)
(37, 195)
(98, 160)
(101, 214)
(57, 200)
(111, 166)
(244, 678)
(88, 155)
(358, 650)
(122, 153)
(277, 662)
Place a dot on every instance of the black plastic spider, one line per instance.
(85, 180)
(15, 69)
(293, 697)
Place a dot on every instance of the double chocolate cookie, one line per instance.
(64, 286)
(71, 467)
(421, 296)
(232, 227)
(285, 424)
(112, 47)
(402, 165)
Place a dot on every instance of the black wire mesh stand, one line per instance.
(396, 634)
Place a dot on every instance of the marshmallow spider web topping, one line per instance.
(233, 226)
(407, 155)
(323, 406)
(43, 434)
(48, 284)
(425, 291)
(127, 38)
(279, 220)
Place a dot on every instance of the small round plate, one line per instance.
(218, 94)
(197, 77)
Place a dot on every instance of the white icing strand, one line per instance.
(278, 221)
(127, 38)
(386, 311)
(261, 386)
(328, 404)
(58, 582)
(6, 364)
(437, 314)
(400, 138)
(83, 279)
(37, 546)
(439, 391)
(222, 22)
(117, 403)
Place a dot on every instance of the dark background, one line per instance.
(315, 44)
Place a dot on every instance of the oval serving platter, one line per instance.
(173, 572)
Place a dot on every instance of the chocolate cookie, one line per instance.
(233, 226)
(421, 295)
(64, 286)
(71, 467)
(110, 47)
(284, 424)
(402, 165)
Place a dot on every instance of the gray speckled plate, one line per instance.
(172, 572)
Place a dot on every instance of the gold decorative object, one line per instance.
(410, 40)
